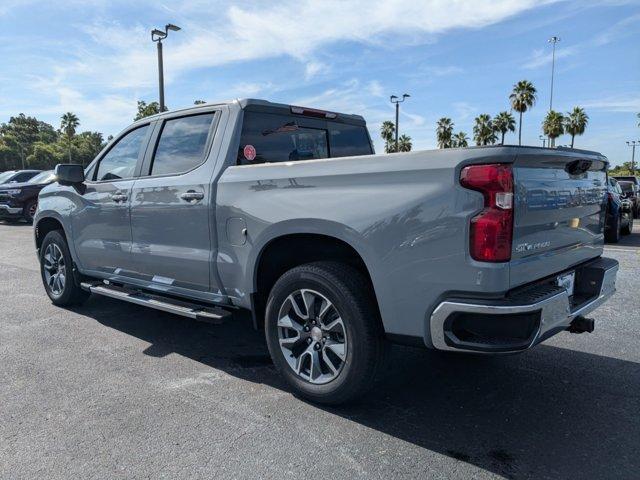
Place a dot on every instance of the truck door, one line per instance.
(173, 248)
(102, 224)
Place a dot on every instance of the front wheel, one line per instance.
(56, 269)
(628, 228)
(29, 211)
(324, 332)
(612, 235)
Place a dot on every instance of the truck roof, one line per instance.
(258, 105)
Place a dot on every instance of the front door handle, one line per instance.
(119, 197)
(192, 196)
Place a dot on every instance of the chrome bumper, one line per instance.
(555, 314)
(10, 210)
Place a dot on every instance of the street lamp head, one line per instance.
(157, 35)
(405, 95)
(554, 39)
(392, 98)
(171, 26)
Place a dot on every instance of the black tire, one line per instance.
(71, 293)
(29, 211)
(628, 228)
(613, 234)
(348, 290)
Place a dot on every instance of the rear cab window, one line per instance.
(182, 144)
(275, 137)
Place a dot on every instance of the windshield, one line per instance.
(44, 177)
(5, 176)
(626, 186)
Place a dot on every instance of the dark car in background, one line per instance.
(19, 201)
(631, 192)
(18, 176)
(619, 218)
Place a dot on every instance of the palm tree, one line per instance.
(444, 130)
(575, 122)
(69, 123)
(483, 131)
(553, 126)
(404, 143)
(460, 140)
(522, 98)
(387, 131)
(503, 123)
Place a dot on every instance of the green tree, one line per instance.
(444, 131)
(9, 158)
(503, 123)
(483, 130)
(69, 123)
(460, 140)
(553, 126)
(387, 132)
(45, 156)
(88, 145)
(146, 109)
(404, 143)
(522, 98)
(575, 122)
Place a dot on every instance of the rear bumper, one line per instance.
(524, 317)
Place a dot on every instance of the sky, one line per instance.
(456, 58)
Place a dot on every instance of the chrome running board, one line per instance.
(198, 312)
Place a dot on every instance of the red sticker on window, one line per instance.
(249, 152)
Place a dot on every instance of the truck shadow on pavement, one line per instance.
(548, 413)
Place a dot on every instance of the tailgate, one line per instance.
(559, 212)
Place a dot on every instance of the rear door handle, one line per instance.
(119, 197)
(192, 196)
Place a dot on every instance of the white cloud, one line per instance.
(375, 88)
(294, 28)
(314, 69)
(618, 103)
(542, 57)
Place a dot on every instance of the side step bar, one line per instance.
(200, 313)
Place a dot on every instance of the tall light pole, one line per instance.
(553, 40)
(544, 141)
(157, 36)
(397, 102)
(633, 144)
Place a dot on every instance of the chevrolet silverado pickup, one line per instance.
(337, 251)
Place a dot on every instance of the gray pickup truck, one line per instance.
(337, 251)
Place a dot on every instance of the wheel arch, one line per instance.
(292, 247)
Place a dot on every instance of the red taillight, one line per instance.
(492, 229)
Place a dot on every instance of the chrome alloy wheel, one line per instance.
(312, 336)
(55, 270)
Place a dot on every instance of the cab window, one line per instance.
(120, 161)
(182, 144)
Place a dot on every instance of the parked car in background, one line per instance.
(17, 176)
(628, 178)
(19, 201)
(619, 219)
(286, 211)
(631, 192)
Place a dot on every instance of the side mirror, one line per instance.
(69, 174)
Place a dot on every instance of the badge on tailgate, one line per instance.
(567, 281)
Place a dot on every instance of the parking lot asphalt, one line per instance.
(112, 390)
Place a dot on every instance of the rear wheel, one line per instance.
(56, 269)
(324, 332)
